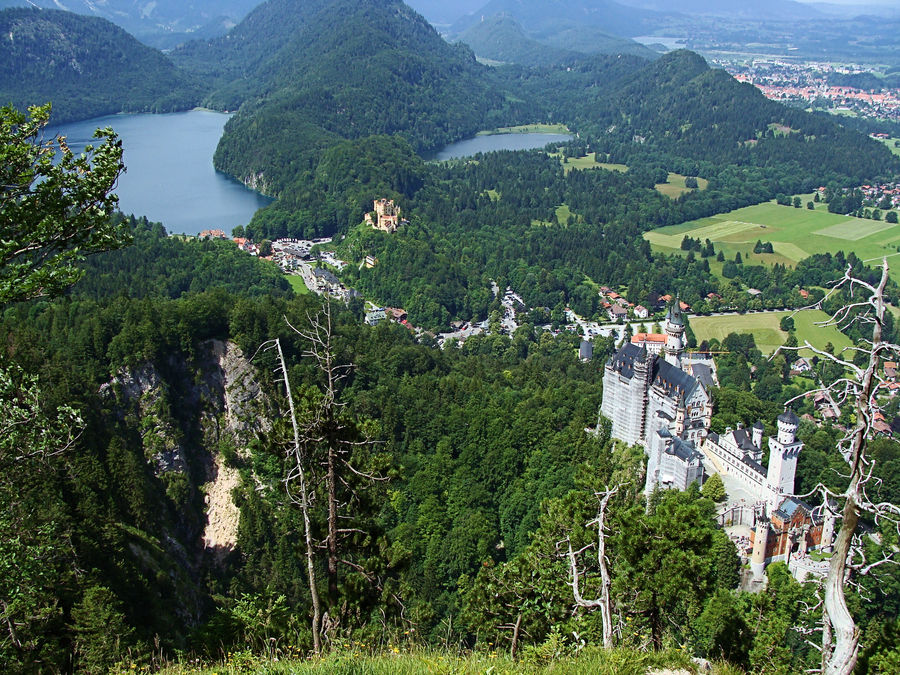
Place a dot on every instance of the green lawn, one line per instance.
(794, 233)
(766, 331)
(297, 284)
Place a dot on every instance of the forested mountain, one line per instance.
(351, 70)
(156, 23)
(86, 66)
(500, 38)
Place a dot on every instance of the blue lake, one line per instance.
(492, 143)
(169, 173)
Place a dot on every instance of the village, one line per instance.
(808, 83)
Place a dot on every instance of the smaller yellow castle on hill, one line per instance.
(386, 216)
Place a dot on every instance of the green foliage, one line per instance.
(168, 267)
(54, 207)
(714, 488)
(102, 634)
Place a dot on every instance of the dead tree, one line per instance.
(327, 431)
(603, 602)
(297, 476)
(857, 389)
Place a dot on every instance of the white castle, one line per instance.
(651, 400)
(656, 398)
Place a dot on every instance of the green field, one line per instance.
(297, 284)
(674, 186)
(563, 214)
(589, 161)
(766, 331)
(795, 234)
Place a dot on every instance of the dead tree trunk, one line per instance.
(859, 387)
(297, 474)
(603, 602)
(335, 438)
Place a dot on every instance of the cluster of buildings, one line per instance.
(616, 307)
(396, 314)
(809, 82)
(883, 195)
(658, 396)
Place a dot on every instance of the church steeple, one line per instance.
(674, 334)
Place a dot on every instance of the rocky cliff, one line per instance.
(196, 421)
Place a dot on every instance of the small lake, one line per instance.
(494, 142)
(169, 173)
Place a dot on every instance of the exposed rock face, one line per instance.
(244, 415)
(195, 421)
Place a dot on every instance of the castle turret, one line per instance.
(760, 541)
(758, 430)
(674, 334)
(783, 453)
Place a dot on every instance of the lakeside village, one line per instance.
(656, 394)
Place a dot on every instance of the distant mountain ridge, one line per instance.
(501, 38)
(533, 15)
(85, 66)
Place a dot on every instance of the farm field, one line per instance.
(527, 129)
(795, 234)
(766, 331)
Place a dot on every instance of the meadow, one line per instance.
(795, 234)
(674, 186)
(589, 161)
(765, 327)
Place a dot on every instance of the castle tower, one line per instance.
(674, 334)
(758, 429)
(760, 541)
(783, 453)
(643, 365)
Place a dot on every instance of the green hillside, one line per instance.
(85, 66)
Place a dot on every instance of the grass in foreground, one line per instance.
(765, 327)
(538, 660)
